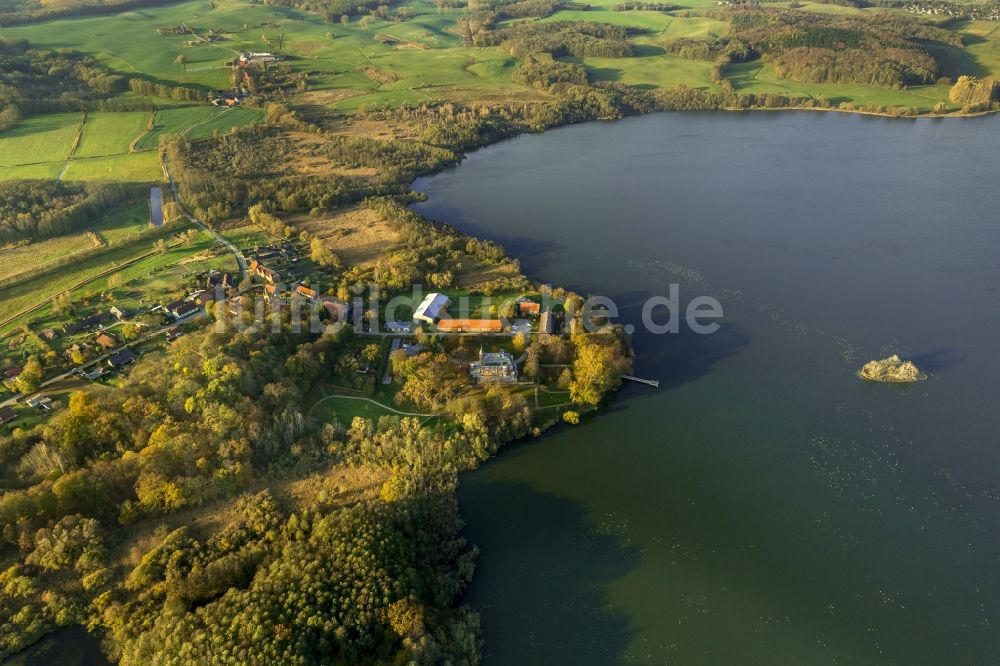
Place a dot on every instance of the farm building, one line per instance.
(495, 366)
(431, 307)
(470, 326)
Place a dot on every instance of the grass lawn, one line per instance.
(107, 133)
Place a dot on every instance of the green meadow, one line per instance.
(196, 122)
(107, 133)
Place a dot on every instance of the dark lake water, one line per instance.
(765, 506)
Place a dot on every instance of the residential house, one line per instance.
(40, 402)
(182, 309)
(94, 374)
(399, 327)
(336, 308)
(173, 333)
(49, 334)
(494, 366)
(526, 307)
(86, 323)
(118, 313)
(13, 373)
(122, 358)
(303, 290)
(106, 341)
(7, 415)
(470, 326)
(431, 308)
(263, 272)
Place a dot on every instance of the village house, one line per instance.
(7, 415)
(398, 327)
(272, 291)
(106, 341)
(118, 313)
(173, 333)
(49, 334)
(122, 358)
(263, 272)
(337, 309)
(77, 348)
(470, 326)
(303, 290)
(430, 309)
(13, 373)
(94, 374)
(182, 309)
(526, 307)
(494, 366)
(40, 402)
(86, 323)
(219, 279)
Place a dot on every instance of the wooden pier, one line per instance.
(655, 383)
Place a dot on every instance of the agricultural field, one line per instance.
(40, 141)
(195, 122)
(107, 133)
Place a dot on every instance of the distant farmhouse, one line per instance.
(527, 307)
(494, 366)
(430, 309)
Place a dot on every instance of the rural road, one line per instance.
(240, 259)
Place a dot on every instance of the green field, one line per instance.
(196, 122)
(40, 139)
(110, 133)
(43, 147)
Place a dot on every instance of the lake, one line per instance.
(765, 505)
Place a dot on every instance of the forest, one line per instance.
(32, 210)
(886, 51)
(34, 81)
